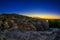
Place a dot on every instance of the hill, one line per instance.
(12, 21)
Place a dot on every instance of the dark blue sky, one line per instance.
(36, 6)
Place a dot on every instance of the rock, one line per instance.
(45, 24)
(40, 24)
(56, 30)
(27, 27)
(24, 22)
(29, 35)
(18, 27)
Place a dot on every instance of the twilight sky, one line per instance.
(31, 7)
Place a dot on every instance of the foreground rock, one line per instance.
(28, 35)
(56, 30)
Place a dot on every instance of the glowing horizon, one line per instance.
(43, 16)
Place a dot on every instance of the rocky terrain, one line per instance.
(8, 21)
(19, 27)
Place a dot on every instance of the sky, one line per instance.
(31, 7)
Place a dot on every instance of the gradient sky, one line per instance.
(39, 7)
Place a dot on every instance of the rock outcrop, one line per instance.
(22, 22)
(29, 35)
(18, 27)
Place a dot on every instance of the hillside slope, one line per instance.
(12, 21)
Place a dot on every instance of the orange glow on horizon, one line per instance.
(44, 16)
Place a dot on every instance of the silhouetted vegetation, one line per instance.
(54, 23)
